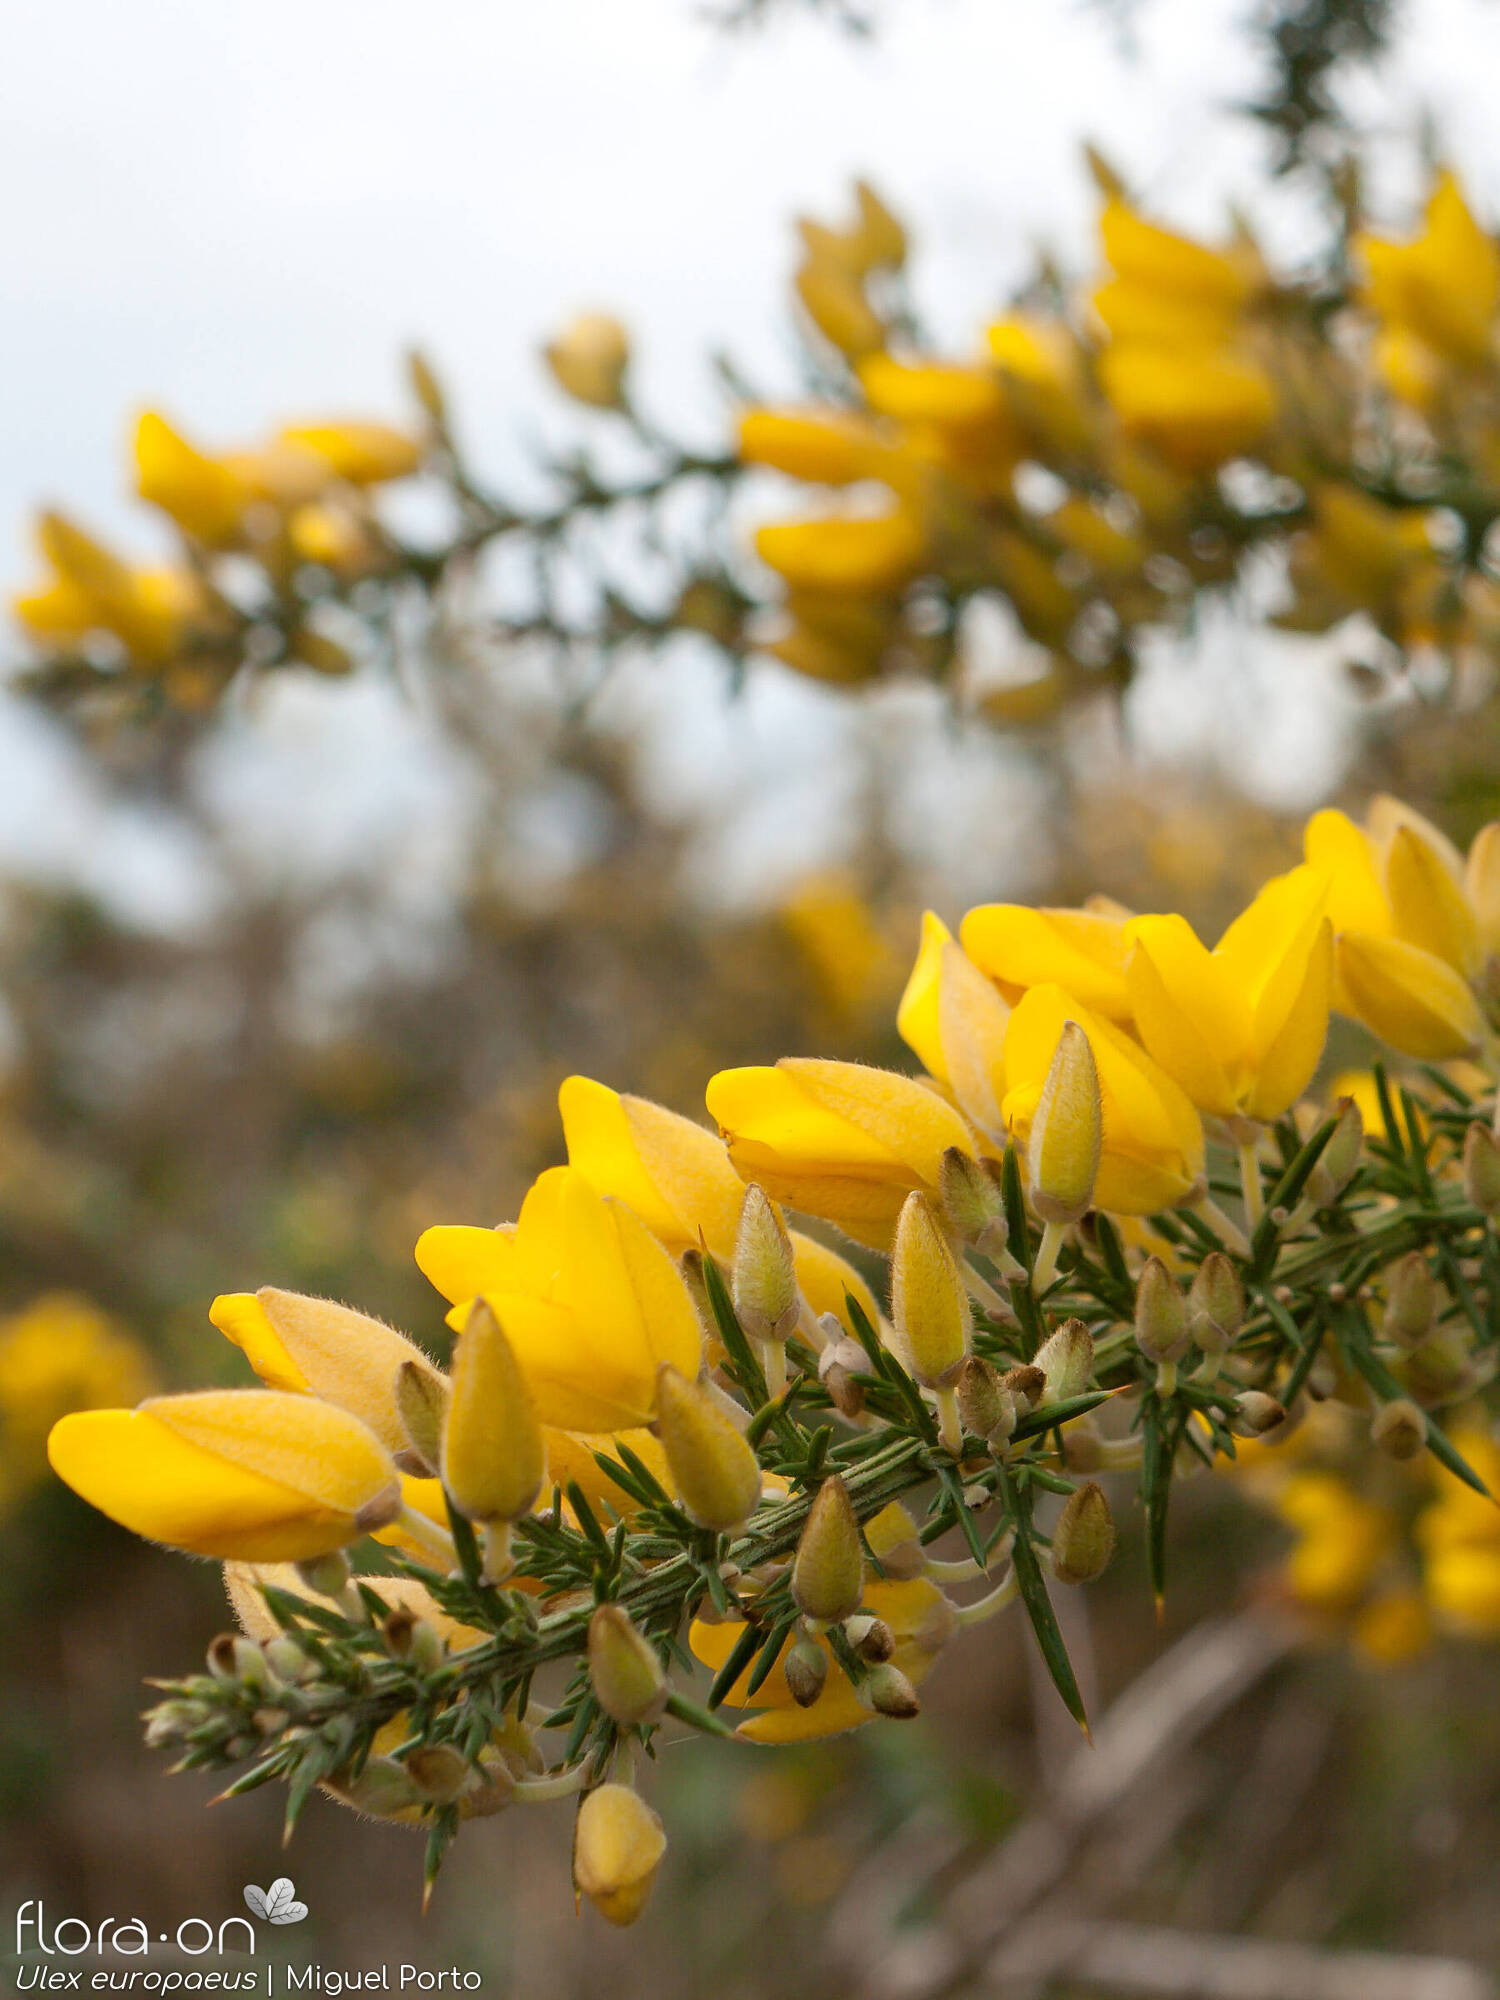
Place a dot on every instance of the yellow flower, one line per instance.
(834, 301)
(247, 1475)
(200, 493)
(1242, 1027)
(1196, 406)
(824, 447)
(1459, 1535)
(1152, 1144)
(589, 360)
(590, 1301)
(832, 925)
(856, 552)
(954, 1021)
(676, 1176)
(1342, 1539)
(837, 1140)
(618, 1844)
(363, 454)
(57, 1354)
(1167, 287)
(945, 394)
(1442, 287)
(1408, 939)
(920, 1619)
(1082, 950)
(150, 611)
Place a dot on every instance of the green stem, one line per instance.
(1250, 1187)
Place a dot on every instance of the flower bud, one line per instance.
(716, 1473)
(1066, 1359)
(493, 1456)
(972, 1203)
(1399, 1429)
(326, 1575)
(169, 1722)
(1067, 1132)
(624, 1668)
(1411, 1301)
(1027, 1384)
(1161, 1314)
(806, 1670)
(828, 1570)
(1256, 1413)
(1084, 1539)
(1334, 1167)
(422, 1404)
(1440, 1370)
(438, 1771)
(985, 1405)
(618, 1843)
(425, 386)
(871, 1638)
(763, 1276)
(383, 1789)
(1216, 1304)
(929, 1306)
(888, 1691)
(237, 1661)
(1482, 1168)
(841, 1360)
(589, 359)
(287, 1660)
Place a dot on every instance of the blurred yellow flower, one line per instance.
(152, 612)
(362, 453)
(844, 552)
(201, 494)
(1441, 288)
(57, 1354)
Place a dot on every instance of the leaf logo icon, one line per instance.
(278, 1904)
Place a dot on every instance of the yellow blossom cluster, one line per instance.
(1188, 405)
(628, 1459)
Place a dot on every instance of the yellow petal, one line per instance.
(1427, 901)
(676, 1176)
(824, 1277)
(199, 493)
(1286, 1064)
(1412, 1000)
(1191, 1022)
(864, 552)
(1356, 892)
(825, 447)
(462, 1261)
(917, 1014)
(241, 1318)
(148, 1477)
(1077, 949)
(321, 1452)
(365, 454)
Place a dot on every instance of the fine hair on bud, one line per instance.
(763, 1278)
(1216, 1304)
(494, 1459)
(1411, 1301)
(1067, 1132)
(422, 1404)
(806, 1671)
(972, 1202)
(929, 1304)
(716, 1473)
(624, 1668)
(1084, 1539)
(1026, 1383)
(890, 1693)
(618, 1843)
(1066, 1359)
(985, 1406)
(1334, 1167)
(1256, 1414)
(828, 1570)
(1481, 1168)
(1161, 1313)
(871, 1638)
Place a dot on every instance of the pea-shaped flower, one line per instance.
(591, 1303)
(247, 1475)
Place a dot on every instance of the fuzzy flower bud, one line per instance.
(1066, 1359)
(1161, 1314)
(1216, 1304)
(973, 1206)
(1067, 1132)
(1481, 1168)
(716, 1473)
(1256, 1413)
(1399, 1429)
(806, 1671)
(383, 1789)
(624, 1668)
(986, 1406)
(618, 1843)
(1440, 1370)
(493, 1456)
(438, 1771)
(1411, 1301)
(828, 1570)
(1027, 1384)
(929, 1306)
(763, 1276)
(888, 1691)
(589, 359)
(839, 1363)
(422, 1404)
(1334, 1168)
(1084, 1539)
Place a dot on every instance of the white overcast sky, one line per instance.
(242, 212)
